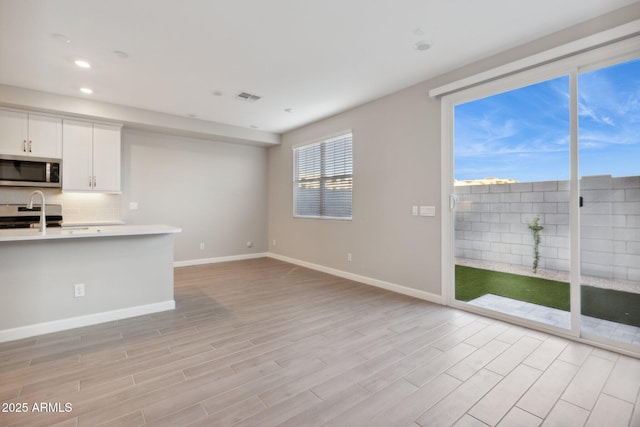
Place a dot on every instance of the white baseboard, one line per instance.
(87, 320)
(201, 261)
(427, 296)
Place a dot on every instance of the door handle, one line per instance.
(452, 202)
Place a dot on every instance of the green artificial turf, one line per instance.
(616, 306)
(472, 283)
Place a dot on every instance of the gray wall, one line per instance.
(396, 151)
(215, 191)
(396, 165)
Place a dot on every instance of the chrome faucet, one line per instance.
(43, 221)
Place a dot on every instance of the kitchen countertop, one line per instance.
(24, 234)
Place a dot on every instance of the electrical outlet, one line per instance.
(78, 290)
(349, 256)
(274, 242)
(202, 246)
(249, 244)
(133, 206)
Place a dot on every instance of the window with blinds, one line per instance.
(323, 178)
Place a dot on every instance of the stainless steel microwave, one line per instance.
(19, 171)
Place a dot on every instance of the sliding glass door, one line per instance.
(609, 149)
(511, 175)
(544, 184)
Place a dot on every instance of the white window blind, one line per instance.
(323, 178)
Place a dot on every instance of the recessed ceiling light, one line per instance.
(120, 54)
(61, 38)
(86, 90)
(423, 45)
(288, 110)
(82, 63)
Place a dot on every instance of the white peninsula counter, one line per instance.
(124, 270)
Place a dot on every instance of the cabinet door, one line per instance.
(77, 155)
(106, 157)
(45, 136)
(13, 132)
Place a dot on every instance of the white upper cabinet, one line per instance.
(45, 136)
(77, 161)
(91, 159)
(13, 132)
(26, 134)
(106, 158)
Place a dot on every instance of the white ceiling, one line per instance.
(316, 57)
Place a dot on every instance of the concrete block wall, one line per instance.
(610, 227)
(491, 224)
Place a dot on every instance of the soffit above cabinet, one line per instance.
(134, 118)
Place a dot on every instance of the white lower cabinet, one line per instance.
(90, 157)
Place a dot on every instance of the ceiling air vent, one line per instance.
(246, 96)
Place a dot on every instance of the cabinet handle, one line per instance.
(29, 146)
(24, 145)
(90, 181)
(94, 182)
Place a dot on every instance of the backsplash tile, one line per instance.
(76, 207)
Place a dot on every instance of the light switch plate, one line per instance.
(427, 211)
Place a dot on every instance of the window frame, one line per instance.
(320, 142)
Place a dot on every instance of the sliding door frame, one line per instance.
(604, 56)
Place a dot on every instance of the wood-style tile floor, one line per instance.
(265, 343)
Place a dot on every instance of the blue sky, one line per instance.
(524, 134)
